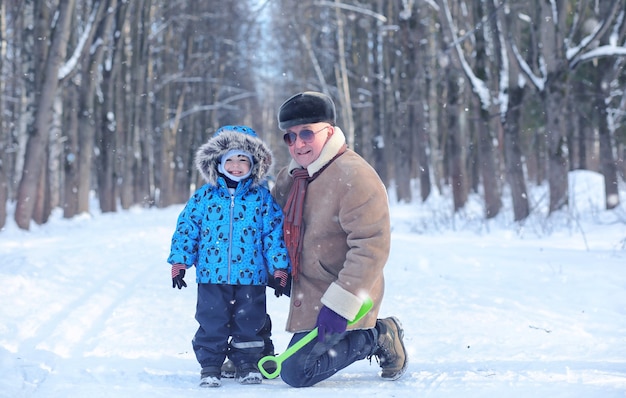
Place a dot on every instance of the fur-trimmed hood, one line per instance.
(226, 138)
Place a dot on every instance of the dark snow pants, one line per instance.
(318, 361)
(225, 311)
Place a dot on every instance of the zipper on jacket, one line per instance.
(230, 234)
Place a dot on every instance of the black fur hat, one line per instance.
(306, 107)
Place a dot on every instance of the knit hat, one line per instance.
(306, 107)
(221, 167)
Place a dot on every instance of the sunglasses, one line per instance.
(305, 135)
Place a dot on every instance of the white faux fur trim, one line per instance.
(342, 301)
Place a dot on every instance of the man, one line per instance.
(338, 235)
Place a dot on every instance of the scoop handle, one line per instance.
(278, 360)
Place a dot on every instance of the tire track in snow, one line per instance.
(89, 288)
(142, 287)
(429, 383)
(90, 312)
(97, 288)
(68, 326)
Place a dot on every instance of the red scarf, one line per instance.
(293, 227)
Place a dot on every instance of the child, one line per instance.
(231, 230)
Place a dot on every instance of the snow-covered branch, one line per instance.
(349, 7)
(537, 81)
(71, 63)
(478, 85)
(575, 54)
(503, 96)
(203, 108)
(600, 52)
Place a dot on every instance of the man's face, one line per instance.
(306, 141)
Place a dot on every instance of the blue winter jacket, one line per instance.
(234, 239)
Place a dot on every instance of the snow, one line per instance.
(490, 308)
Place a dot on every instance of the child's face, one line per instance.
(237, 165)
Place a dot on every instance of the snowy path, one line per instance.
(88, 311)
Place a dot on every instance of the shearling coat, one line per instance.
(233, 238)
(346, 239)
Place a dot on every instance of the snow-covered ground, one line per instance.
(490, 308)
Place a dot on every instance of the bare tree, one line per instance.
(81, 136)
(477, 77)
(420, 97)
(4, 131)
(511, 94)
(137, 57)
(607, 71)
(32, 186)
(401, 52)
(148, 81)
(558, 56)
(113, 109)
(454, 139)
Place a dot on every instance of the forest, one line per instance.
(110, 99)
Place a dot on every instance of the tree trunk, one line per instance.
(404, 125)
(39, 214)
(169, 128)
(185, 171)
(146, 186)
(424, 162)
(168, 151)
(86, 116)
(513, 155)
(583, 128)
(556, 146)
(552, 28)
(70, 158)
(422, 78)
(488, 170)
(382, 138)
(606, 72)
(608, 166)
(106, 139)
(37, 142)
(455, 146)
(86, 138)
(4, 185)
(5, 137)
(143, 144)
(136, 93)
(113, 113)
(343, 81)
(505, 25)
(437, 94)
(402, 149)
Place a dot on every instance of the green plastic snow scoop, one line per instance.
(278, 360)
